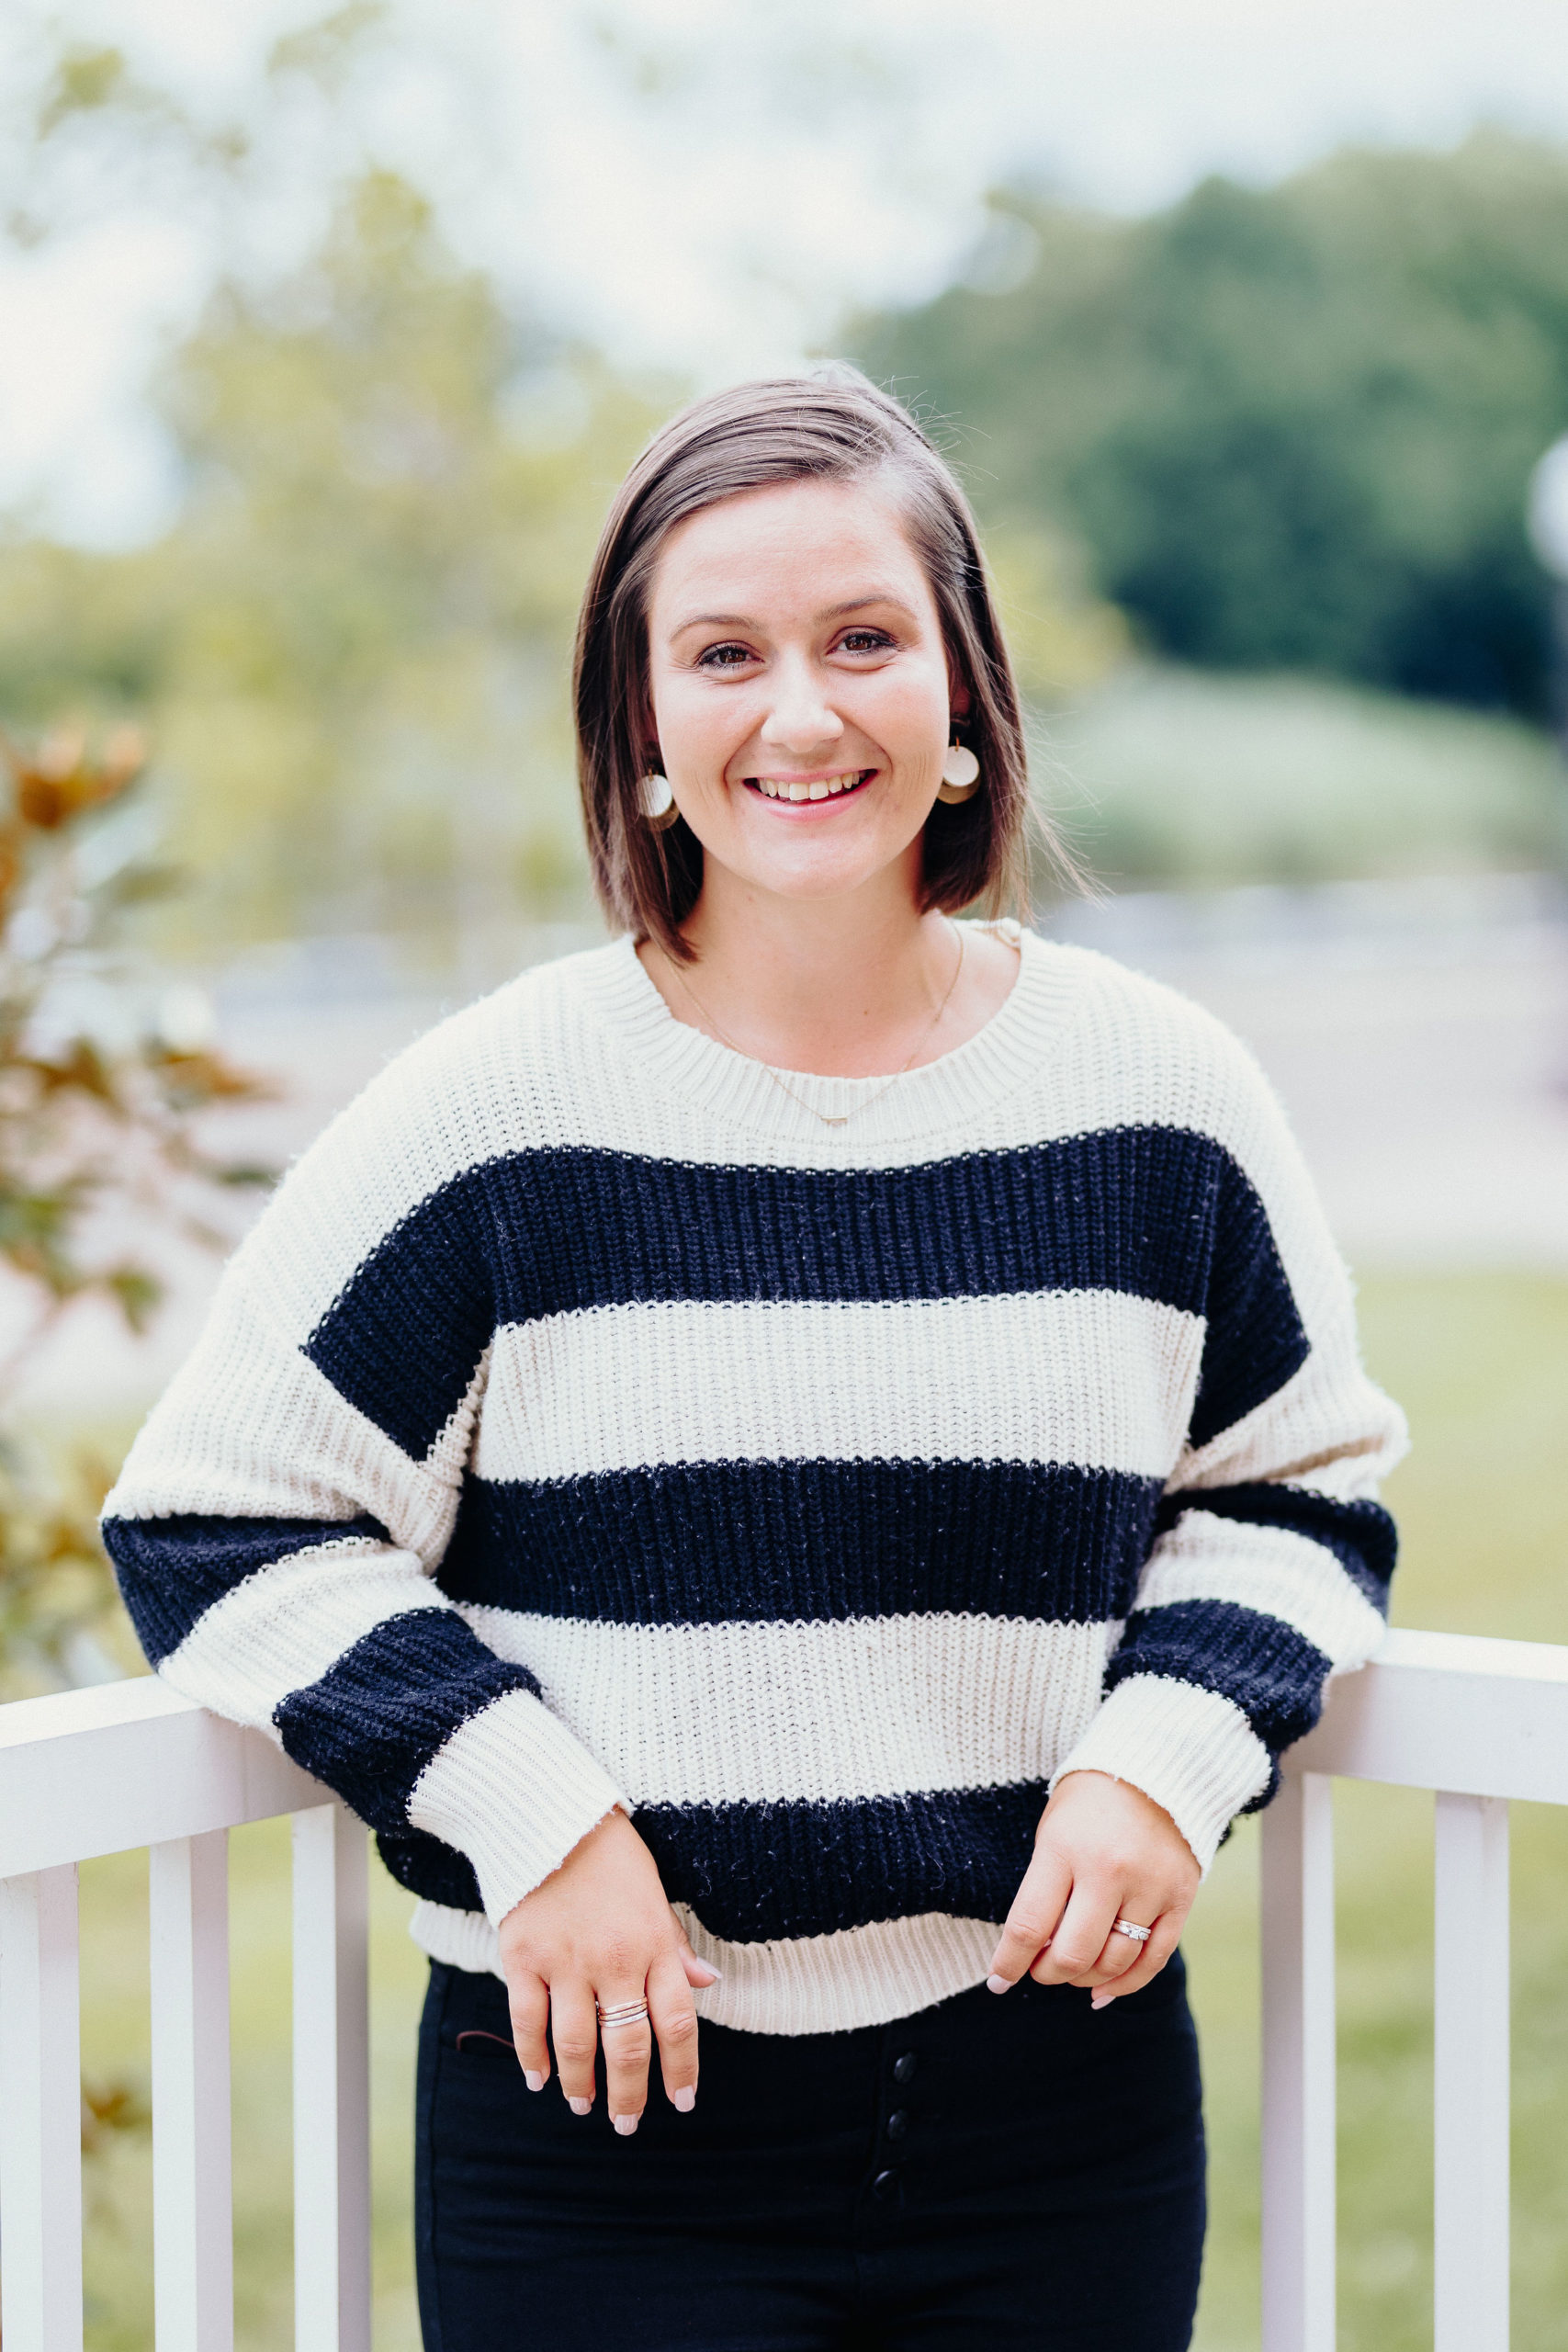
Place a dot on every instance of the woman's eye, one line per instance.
(864, 640)
(724, 657)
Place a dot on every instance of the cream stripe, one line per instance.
(1092, 1378)
(781, 1713)
(828, 1984)
(1272, 1569)
(249, 1428)
(284, 1627)
(514, 1791)
(1191, 1750)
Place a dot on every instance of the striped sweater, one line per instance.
(586, 1422)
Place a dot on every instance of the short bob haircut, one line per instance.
(830, 425)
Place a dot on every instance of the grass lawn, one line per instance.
(1481, 1363)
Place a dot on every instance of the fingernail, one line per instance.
(626, 2125)
(997, 1985)
(1101, 2000)
(580, 2106)
(684, 2100)
(533, 2079)
(716, 1974)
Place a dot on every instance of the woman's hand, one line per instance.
(599, 1928)
(1103, 1851)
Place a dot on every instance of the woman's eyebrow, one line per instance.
(859, 603)
(831, 612)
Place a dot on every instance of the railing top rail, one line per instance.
(27, 1722)
(1455, 1711)
(127, 1764)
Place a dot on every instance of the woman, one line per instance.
(799, 1469)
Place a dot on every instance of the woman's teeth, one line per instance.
(781, 788)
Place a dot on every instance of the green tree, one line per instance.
(1294, 425)
(352, 648)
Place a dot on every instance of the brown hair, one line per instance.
(832, 425)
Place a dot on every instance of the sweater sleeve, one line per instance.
(276, 1548)
(1271, 1564)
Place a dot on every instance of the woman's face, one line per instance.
(801, 692)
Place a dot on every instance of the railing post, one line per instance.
(1471, 2034)
(332, 2083)
(41, 2112)
(1299, 2067)
(193, 2213)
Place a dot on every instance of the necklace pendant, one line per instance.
(834, 1119)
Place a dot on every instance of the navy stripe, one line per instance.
(754, 1871)
(373, 1721)
(428, 1867)
(1271, 1672)
(1361, 1535)
(707, 1542)
(1158, 1212)
(171, 1570)
(1254, 1340)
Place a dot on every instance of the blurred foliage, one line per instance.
(1171, 777)
(100, 1148)
(1265, 430)
(1293, 425)
(354, 646)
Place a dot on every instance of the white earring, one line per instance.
(657, 802)
(960, 774)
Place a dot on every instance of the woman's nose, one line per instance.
(801, 720)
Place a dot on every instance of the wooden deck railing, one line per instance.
(130, 1765)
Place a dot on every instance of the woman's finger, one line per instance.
(1080, 1938)
(699, 1973)
(1032, 1921)
(674, 2021)
(1122, 1953)
(1155, 1953)
(530, 2003)
(576, 2037)
(627, 2044)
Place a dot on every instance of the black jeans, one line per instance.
(997, 2171)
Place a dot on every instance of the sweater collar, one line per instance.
(670, 1054)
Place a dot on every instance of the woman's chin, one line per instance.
(806, 862)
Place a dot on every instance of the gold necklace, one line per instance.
(828, 1118)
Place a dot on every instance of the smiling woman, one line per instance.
(800, 1469)
(883, 514)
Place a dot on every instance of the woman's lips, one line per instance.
(795, 789)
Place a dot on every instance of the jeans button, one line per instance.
(897, 2124)
(884, 2186)
(904, 2067)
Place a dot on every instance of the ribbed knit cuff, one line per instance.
(1192, 1751)
(514, 1791)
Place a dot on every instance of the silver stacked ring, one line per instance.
(621, 2013)
(1129, 1928)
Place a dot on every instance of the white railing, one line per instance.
(101, 1772)
(130, 1765)
(1478, 1722)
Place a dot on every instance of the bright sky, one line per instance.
(704, 183)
